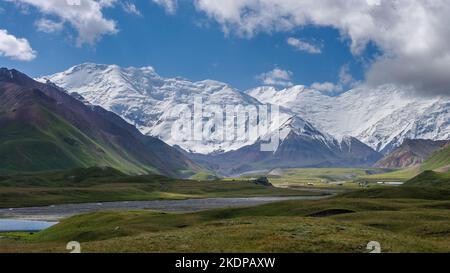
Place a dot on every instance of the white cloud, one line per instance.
(103, 3)
(328, 87)
(130, 8)
(48, 26)
(345, 77)
(169, 5)
(303, 46)
(15, 48)
(346, 80)
(85, 16)
(412, 35)
(277, 77)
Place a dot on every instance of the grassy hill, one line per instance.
(438, 160)
(430, 179)
(55, 144)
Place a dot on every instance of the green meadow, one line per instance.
(339, 224)
(413, 217)
(107, 184)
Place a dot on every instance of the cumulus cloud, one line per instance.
(169, 5)
(15, 48)
(412, 35)
(85, 16)
(48, 26)
(303, 46)
(277, 77)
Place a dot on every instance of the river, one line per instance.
(57, 212)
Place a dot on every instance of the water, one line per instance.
(23, 225)
(57, 212)
(391, 183)
(395, 183)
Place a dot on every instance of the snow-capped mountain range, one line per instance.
(146, 100)
(381, 118)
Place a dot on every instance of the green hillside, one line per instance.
(43, 128)
(439, 160)
(54, 145)
(430, 179)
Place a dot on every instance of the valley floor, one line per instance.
(48, 189)
(401, 219)
(332, 225)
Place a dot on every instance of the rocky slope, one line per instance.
(411, 153)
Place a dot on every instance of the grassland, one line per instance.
(403, 225)
(336, 178)
(349, 177)
(414, 217)
(316, 177)
(106, 184)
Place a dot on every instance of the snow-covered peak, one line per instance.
(281, 97)
(145, 99)
(296, 126)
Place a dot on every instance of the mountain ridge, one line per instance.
(44, 128)
(301, 145)
(145, 99)
(381, 117)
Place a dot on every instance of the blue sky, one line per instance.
(188, 44)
